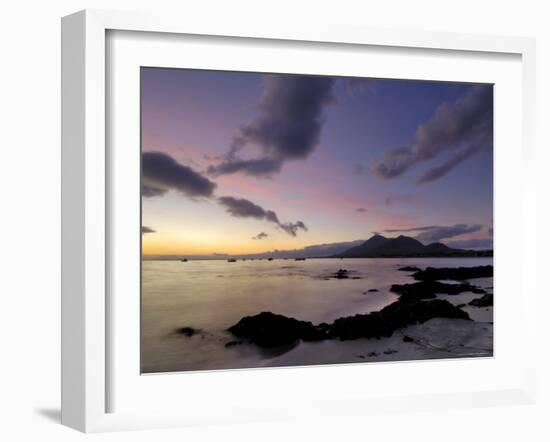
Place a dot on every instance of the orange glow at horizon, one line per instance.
(156, 244)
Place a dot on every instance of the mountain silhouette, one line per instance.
(403, 246)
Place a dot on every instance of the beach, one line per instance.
(210, 296)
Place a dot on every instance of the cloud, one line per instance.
(439, 171)
(287, 127)
(257, 167)
(437, 233)
(292, 228)
(243, 208)
(479, 244)
(161, 173)
(440, 233)
(413, 229)
(260, 235)
(458, 129)
(361, 210)
(145, 229)
(151, 191)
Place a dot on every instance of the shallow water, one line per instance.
(213, 295)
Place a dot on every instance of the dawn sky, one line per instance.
(242, 162)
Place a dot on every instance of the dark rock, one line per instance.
(409, 269)
(232, 343)
(407, 339)
(372, 290)
(428, 289)
(270, 330)
(393, 317)
(372, 354)
(390, 351)
(186, 331)
(478, 291)
(457, 273)
(484, 301)
(341, 274)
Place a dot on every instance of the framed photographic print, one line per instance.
(275, 245)
(292, 222)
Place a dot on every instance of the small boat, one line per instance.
(231, 260)
(270, 259)
(299, 259)
(183, 260)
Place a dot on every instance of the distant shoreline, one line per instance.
(241, 258)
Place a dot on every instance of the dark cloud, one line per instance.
(292, 228)
(145, 229)
(151, 191)
(287, 127)
(257, 167)
(437, 172)
(361, 210)
(478, 244)
(459, 129)
(243, 208)
(413, 229)
(260, 235)
(161, 173)
(437, 233)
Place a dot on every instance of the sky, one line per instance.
(238, 162)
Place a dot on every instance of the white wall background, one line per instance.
(30, 220)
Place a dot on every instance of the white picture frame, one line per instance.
(86, 204)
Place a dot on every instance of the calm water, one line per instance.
(213, 295)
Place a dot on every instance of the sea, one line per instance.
(212, 295)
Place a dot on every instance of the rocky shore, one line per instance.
(416, 305)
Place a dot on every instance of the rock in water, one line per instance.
(341, 274)
(409, 269)
(393, 317)
(232, 343)
(428, 289)
(271, 330)
(484, 301)
(186, 331)
(457, 274)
